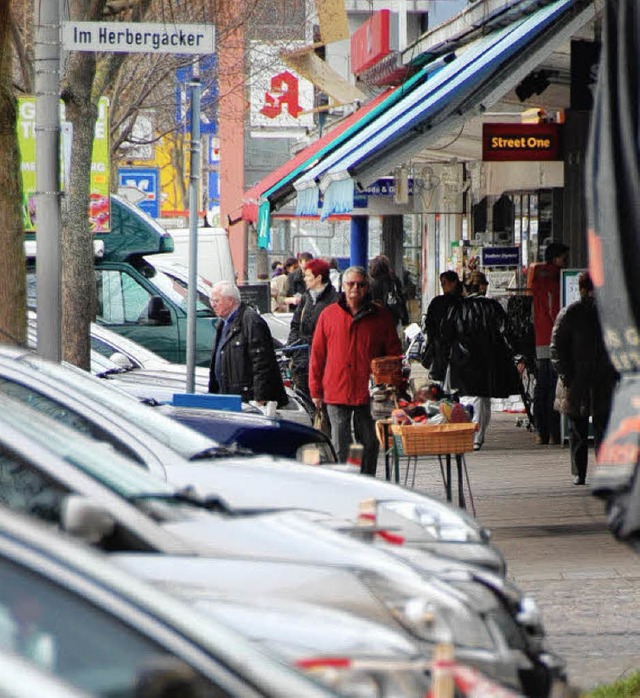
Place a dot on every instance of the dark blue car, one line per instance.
(257, 433)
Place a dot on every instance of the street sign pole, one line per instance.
(194, 179)
(47, 134)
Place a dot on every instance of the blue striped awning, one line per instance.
(486, 68)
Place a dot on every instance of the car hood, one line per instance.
(251, 482)
(301, 630)
(287, 537)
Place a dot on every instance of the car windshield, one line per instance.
(177, 290)
(187, 442)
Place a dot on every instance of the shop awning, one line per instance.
(282, 174)
(477, 78)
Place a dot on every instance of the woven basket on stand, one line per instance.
(433, 439)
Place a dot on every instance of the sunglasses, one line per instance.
(359, 284)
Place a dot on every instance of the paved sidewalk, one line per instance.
(558, 548)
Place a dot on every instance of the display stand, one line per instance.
(443, 441)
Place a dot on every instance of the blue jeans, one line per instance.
(364, 432)
(546, 418)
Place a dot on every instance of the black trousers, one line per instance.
(579, 441)
(546, 418)
(364, 432)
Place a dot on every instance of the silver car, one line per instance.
(107, 633)
(302, 561)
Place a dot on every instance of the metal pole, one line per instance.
(194, 179)
(47, 134)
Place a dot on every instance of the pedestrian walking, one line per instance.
(295, 282)
(544, 282)
(481, 364)
(586, 376)
(386, 289)
(435, 356)
(319, 294)
(243, 361)
(279, 286)
(349, 334)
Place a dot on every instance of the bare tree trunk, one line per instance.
(78, 277)
(12, 261)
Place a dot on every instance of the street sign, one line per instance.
(207, 72)
(138, 37)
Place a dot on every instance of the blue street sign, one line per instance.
(147, 179)
(208, 96)
(505, 256)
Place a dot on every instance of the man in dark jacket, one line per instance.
(349, 334)
(243, 361)
(481, 364)
(319, 294)
(585, 373)
(435, 357)
(386, 289)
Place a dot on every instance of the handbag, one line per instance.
(321, 421)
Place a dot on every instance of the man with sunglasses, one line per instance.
(349, 334)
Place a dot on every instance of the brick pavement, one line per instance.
(554, 537)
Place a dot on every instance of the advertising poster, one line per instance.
(99, 205)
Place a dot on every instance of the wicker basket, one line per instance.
(433, 439)
(387, 370)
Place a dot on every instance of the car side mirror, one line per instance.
(86, 519)
(158, 312)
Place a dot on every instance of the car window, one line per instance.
(64, 414)
(121, 299)
(80, 642)
(22, 488)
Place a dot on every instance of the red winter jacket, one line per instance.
(343, 347)
(544, 282)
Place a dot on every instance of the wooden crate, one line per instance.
(433, 439)
(387, 370)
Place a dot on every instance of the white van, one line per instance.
(214, 254)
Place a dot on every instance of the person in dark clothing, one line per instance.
(435, 356)
(586, 376)
(386, 289)
(243, 361)
(319, 294)
(481, 363)
(295, 282)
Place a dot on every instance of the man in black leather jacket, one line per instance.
(243, 361)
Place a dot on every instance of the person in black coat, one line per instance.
(481, 364)
(243, 361)
(386, 289)
(586, 376)
(319, 294)
(295, 282)
(435, 356)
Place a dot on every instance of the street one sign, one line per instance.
(138, 37)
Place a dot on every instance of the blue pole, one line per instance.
(359, 241)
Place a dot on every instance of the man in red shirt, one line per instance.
(544, 282)
(349, 334)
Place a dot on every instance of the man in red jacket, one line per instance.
(349, 334)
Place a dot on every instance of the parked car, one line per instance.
(86, 488)
(150, 377)
(110, 634)
(186, 458)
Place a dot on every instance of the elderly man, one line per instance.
(243, 361)
(349, 334)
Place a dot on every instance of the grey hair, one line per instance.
(357, 270)
(227, 289)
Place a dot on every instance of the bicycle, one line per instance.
(527, 371)
(284, 356)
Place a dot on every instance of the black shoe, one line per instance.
(577, 480)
